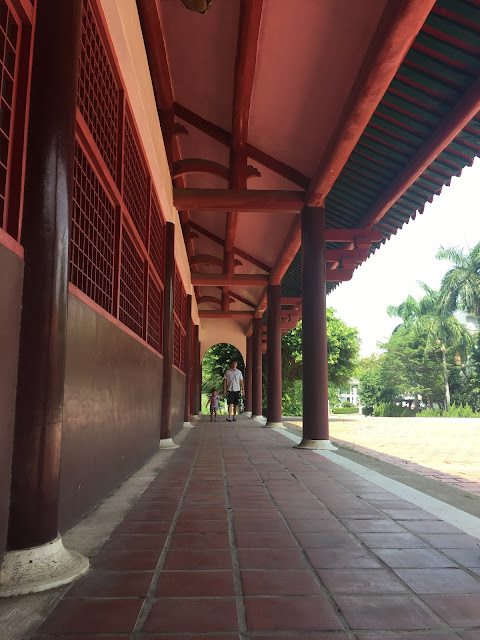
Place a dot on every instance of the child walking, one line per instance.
(213, 402)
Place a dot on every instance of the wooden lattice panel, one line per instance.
(135, 180)
(92, 234)
(155, 315)
(132, 296)
(157, 238)
(98, 95)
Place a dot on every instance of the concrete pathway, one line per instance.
(445, 449)
(243, 537)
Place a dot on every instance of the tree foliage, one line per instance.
(343, 345)
(215, 361)
(461, 284)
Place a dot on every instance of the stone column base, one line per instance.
(247, 414)
(326, 445)
(259, 418)
(275, 425)
(40, 568)
(188, 425)
(167, 443)
(195, 416)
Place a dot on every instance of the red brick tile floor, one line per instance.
(243, 537)
(445, 449)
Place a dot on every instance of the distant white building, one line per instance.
(352, 394)
(469, 320)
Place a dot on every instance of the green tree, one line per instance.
(374, 387)
(215, 361)
(440, 331)
(343, 345)
(461, 284)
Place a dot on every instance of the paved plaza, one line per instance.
(241, 536)
(445, 449)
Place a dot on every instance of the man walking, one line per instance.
(232, 385)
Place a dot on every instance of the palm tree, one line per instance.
(461, 284)
(441, 330)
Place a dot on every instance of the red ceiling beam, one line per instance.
(275, 201)
(237, 315)
(190, 166)
(400, 23)
(225, 138)
(237, 251)
(223, 280)
(448, 128)
(209, 299)
(242, 300)
(203, 258)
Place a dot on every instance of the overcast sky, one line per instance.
(388, 277)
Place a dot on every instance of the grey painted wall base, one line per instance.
(40, 568)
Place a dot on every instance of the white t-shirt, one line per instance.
(233, 377)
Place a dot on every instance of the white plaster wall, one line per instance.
(216, 330)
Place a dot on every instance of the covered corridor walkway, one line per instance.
(243, 536)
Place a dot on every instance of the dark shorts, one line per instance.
(233, 397)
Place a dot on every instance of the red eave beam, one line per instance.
(399, 25)
(237, 315)
(227, 200)
(449, 127)
(224, 280)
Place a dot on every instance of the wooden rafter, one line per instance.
(225, 138)
(245, 62)
(239, 252)
(204, 258)
(209, 299)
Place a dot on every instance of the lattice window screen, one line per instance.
(132, 303)
(155, 315)
(157, 238)
(92, 233)
(135, 180)
(98, 95)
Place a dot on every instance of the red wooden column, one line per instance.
(33, 538)
(248, 379)
(257, 369)
(188, 363)
(166, 441)
(314, 331)
(274, 357)
(196, 374)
